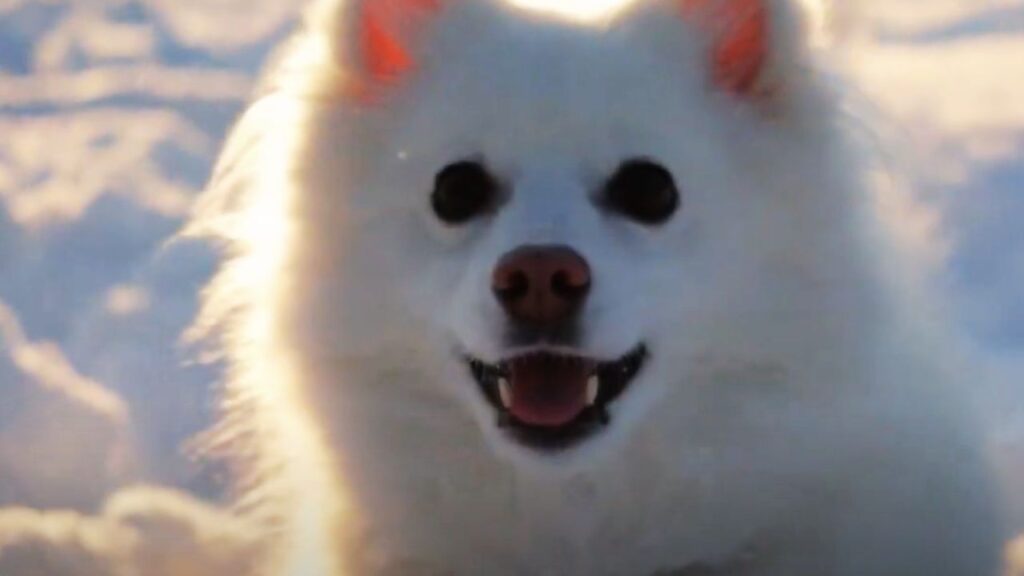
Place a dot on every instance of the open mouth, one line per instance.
(551, 400)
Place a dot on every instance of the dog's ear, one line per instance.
(385, 31)
(755, 51)
(375, 42)
(739, 33)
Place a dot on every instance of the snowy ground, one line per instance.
(111, 112)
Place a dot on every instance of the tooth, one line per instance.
(505, 389)
(593, 387)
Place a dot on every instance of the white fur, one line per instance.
(801, 413)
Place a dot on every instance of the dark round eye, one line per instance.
(462, 191)
(643, 191)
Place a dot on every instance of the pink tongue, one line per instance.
(548, 391)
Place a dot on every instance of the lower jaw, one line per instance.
(584, 427)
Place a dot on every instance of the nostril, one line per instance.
(513, 286)
(565, 286)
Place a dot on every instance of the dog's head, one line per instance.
(567, 214)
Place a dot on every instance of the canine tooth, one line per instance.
(593, 387)
(505, 390)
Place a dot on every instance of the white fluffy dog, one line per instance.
(510, 292)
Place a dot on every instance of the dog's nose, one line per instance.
(542, 286)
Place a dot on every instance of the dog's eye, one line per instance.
(462, 191)
(644, 191)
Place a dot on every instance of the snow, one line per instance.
(64, 439)
(144, 530)
(111, 113)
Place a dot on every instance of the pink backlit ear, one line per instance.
(740, 37)
(386, 29)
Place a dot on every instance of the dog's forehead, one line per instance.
(541, 59)
(537, 87)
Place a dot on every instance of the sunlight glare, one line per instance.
(585, 10)
(264, 229)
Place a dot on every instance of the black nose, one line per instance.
(542, 286)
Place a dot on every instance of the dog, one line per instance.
(511, 290)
